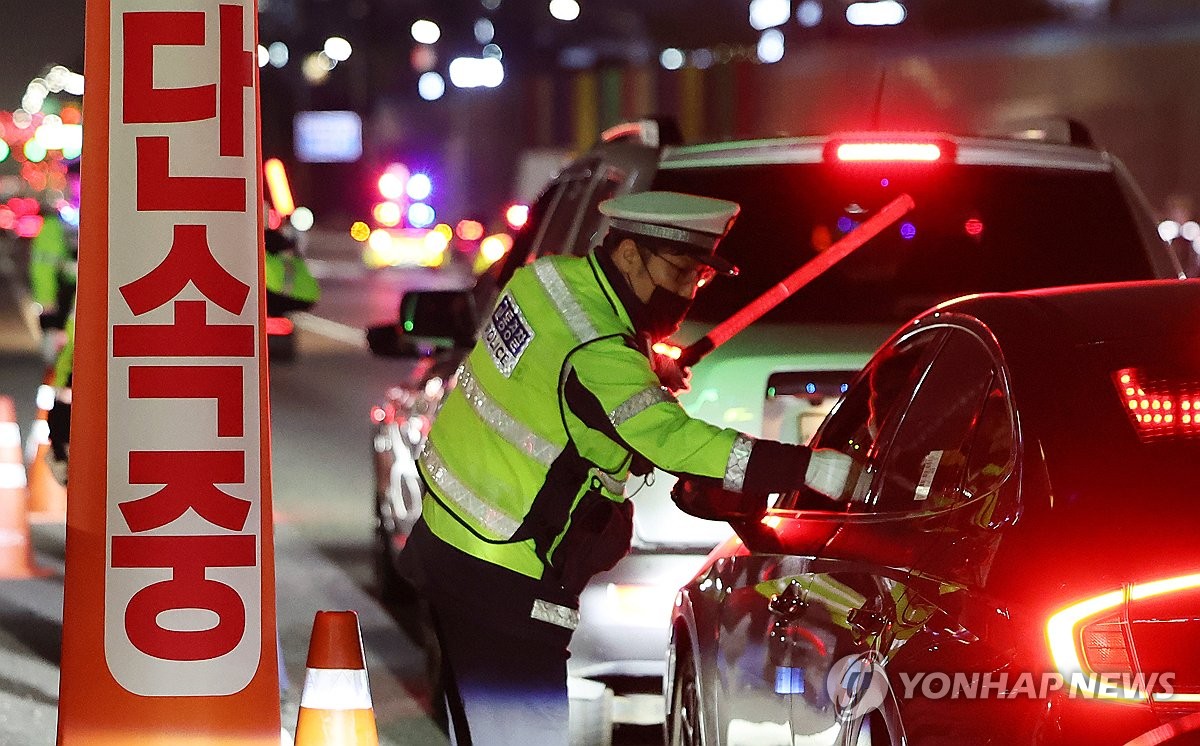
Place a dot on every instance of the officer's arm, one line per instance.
(611, 388)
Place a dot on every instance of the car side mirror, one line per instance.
(386, 340)
(706, 498)
(439, 318)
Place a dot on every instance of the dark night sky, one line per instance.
(42, 33)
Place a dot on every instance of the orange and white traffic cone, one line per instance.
(335, 708)
(47, 496)
(16, 550)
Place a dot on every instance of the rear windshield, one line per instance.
(974, 229)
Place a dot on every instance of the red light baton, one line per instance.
(803, 275)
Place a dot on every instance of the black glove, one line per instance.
(707, 498)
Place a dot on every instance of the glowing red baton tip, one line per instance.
(803, 275)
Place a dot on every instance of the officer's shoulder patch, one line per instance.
(507, 335)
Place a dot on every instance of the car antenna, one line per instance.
(875, 113)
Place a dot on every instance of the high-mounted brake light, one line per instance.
(889, 151)
(1089, 638)
(1159, 408)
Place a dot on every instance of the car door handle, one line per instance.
(789, 602)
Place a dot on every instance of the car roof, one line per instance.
(968, 151)
(1086, 314)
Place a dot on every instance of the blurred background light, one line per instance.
(493, 51)
(476, 72)
(337, 49)
(770, 46)
(880, 13)
(767, 13)
(426, 31)
(278, 54)
(564, 10)
(419, 187)
(809, 13)
(420, 215)
(431, 86)
(302, 219)
(263, 56)
(1168, 230)
(484, 31)
(516, 216)
(671, 58)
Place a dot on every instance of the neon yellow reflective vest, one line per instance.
(51, 262)
(505, 441)
(287, 274)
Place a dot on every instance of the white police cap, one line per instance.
(696, 223)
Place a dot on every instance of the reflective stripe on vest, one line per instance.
(563, 616)
(495, 520)
(502, 423)
(562, 298)
(638, 403)
(739, 457)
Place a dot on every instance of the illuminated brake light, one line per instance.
(279, 326)
(1159, 408)
(1081, 643)
(922, 152)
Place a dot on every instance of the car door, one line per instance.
(876, 579)
(780, 634)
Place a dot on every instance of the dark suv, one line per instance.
(990, 215)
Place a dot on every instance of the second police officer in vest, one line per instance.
(526, 462)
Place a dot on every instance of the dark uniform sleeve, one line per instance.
(612, 389)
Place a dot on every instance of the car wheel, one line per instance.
(683, 721)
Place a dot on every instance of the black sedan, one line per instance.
(1016, 562)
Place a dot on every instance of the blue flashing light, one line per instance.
(845, 224)
(844, 388)
(907, 231)
(420, 215)
(419, 186)
(884, 182)
(810, 387)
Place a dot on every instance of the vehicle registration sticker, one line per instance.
(508, 335)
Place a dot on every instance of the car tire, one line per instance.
(684, 718)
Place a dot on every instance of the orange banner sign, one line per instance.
(169, 620)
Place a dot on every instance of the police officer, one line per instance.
(526, 462)
(52, 276)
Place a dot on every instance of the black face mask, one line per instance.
(663, 313)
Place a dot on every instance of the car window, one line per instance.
(862, 422)
(927, 460)
(974, 228)
(992, 445)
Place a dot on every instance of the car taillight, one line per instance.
(1159, 408)
(279, 326)
(1091, 640)
(889, 151)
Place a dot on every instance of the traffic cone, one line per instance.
(335, 708)
(47, 496)
(16, 550)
